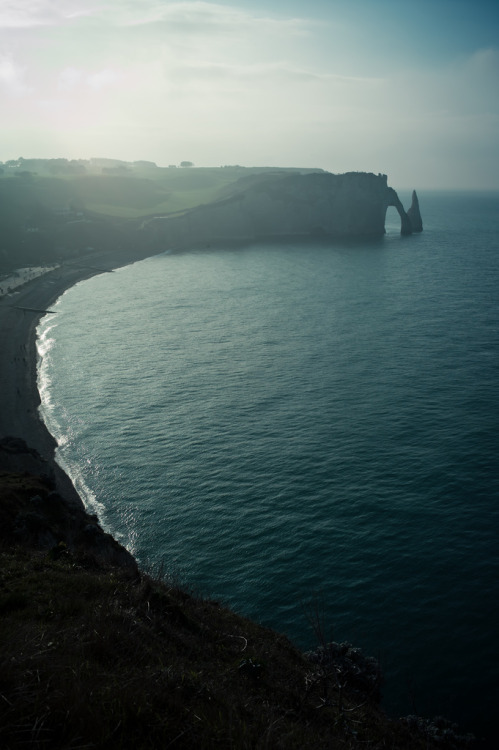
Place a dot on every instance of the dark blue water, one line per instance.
(307, 425)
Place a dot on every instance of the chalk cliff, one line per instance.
(279, 204)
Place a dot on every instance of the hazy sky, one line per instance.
(407, 88)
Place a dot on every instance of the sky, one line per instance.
(409, 89)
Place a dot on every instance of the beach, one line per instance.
(20, 313)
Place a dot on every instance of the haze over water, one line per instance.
(290, 423)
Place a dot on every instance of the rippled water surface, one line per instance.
(307, 425)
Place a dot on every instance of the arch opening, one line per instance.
(392, 220)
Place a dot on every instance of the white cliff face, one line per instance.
(348, 205)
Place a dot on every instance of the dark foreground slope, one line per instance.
(94, 653)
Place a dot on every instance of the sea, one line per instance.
(306, 430)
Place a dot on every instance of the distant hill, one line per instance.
(121, 189)
(54, 208)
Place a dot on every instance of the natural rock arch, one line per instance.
(410, 221)
(394, 200)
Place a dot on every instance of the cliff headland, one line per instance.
(281, 204)
(49, 216)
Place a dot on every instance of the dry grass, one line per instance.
(92, 657)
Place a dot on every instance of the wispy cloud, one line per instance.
(190, 16)
(267, 72)
(198, 16)
(28, 13)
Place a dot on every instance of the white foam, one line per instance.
(90, 501)
(45, 344)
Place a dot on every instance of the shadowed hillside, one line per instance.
(51, 210)
(94, 653)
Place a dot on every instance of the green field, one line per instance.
(124, 192)
(52, 209)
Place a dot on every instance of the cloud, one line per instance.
(28, 13)
(12, 77)
(102, 79)
(197, 16)
(69, 78)
(273, 72)
(189, 17)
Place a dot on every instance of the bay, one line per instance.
(306, 427)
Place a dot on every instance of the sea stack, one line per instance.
(414, 214)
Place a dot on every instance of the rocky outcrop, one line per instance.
(17, 456)
(280, 204)
(33, 513)
(350, 668)
(414, 214)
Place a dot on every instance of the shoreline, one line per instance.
(20, 314)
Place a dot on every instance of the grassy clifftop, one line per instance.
(94, 653)
(124, 191)
(48, 216)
